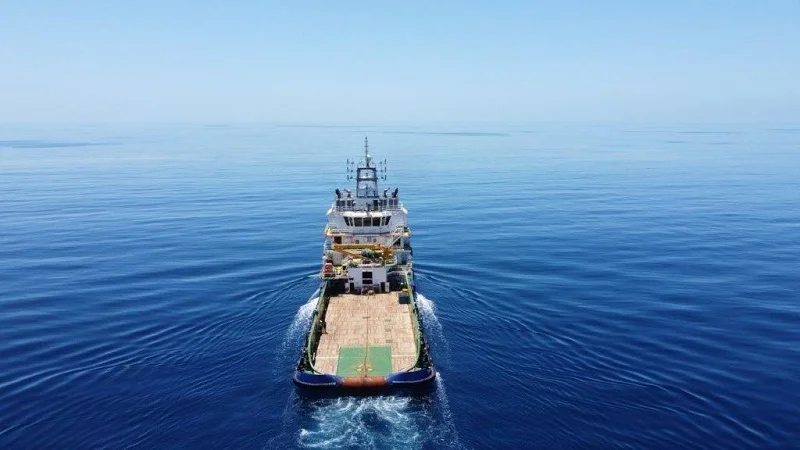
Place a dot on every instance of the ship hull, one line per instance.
(397, 380)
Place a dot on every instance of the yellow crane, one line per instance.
(354, 250)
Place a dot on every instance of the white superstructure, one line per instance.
(367, 238)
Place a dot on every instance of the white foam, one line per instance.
(300, 323)
(433, 328)
(361, 422)
(444, 408)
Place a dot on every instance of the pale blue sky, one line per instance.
(370, 62)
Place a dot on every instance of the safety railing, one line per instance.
(314, 334)
(381, 206)
(415, 319)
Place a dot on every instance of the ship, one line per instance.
(366, 330)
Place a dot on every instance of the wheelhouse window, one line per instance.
(367, 221)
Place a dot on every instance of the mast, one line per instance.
(367, 157)
(366, 176)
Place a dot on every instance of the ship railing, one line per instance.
(394, 206)
(330, 229)
(415, 319)
(316, 329)
(400, 229)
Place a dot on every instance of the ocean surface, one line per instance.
(583, 286)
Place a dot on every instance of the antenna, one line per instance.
(382, 169)
(367, 157)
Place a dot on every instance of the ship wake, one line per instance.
(300, 324)
(296, 332)
(381, 422)
(362, 422)
(433, 329)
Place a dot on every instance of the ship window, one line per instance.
(347, 221)
(376, 221)
(357, 221)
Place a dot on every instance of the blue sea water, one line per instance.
(583, 286)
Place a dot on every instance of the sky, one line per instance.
(337, 62)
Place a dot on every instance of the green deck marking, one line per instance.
(351, 361)
(380, 358)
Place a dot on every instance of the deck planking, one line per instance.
(367, 320)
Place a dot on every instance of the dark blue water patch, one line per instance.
(446, 133)
(784, 130)
(423, 132)
(42, 144)
(719, 132)
(323, 126)
(593, 287)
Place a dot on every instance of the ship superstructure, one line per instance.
(367, 239)
(366, 330)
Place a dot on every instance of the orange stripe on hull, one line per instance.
(363, 382)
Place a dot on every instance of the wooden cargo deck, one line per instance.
(364, 327)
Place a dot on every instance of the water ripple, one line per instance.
(595, 287)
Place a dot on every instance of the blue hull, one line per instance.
(418, 377)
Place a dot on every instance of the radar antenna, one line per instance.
(382, 169)
(349, 169)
